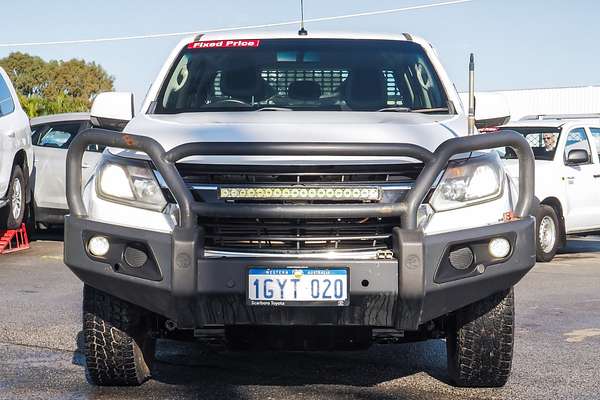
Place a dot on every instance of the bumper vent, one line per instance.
(297, 236)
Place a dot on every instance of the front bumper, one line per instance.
(179, 283)
(402, 293)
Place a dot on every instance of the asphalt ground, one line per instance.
(557, 346)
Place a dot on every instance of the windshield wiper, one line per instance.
(274, 109)
(395, 109)
(432, 110)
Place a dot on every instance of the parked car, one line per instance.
(567, 176)
(16, 156)
(278, 191)
(51, 136)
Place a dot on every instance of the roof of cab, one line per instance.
(292, 34)
(65, 117)
(551, 123)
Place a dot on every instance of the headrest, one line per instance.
(241, 81)
(304, 90)
(365, 89)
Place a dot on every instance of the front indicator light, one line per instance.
(98, 246)
(499, 247)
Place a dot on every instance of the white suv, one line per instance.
(16, 155)
(567, 175)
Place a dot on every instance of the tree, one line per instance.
(55, 86)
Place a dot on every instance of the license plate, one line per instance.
(297, 286)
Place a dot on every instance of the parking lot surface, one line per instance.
(557, 353)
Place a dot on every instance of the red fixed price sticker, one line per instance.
(223, 44)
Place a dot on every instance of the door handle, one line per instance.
(85, 165)
(571, 177)
(597, 176)
(11, 134)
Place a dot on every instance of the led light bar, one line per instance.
(302, 193)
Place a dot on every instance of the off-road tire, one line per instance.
(7, 219)
(119, 347)
(545, 211)
(480, 341)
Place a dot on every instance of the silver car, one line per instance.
(51, 137)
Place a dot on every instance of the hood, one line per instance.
(171, 130)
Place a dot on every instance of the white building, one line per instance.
(521, 103)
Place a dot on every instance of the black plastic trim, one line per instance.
(401, 293)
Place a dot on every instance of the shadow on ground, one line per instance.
(54, 233)
(194, 370)
(590, 244)
(183, 363)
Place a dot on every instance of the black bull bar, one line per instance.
(187, 237)
(189, 208)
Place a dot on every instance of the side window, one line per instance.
(58, 135)
(36, 132)
(577, 139)
(7, 104)
(596, 138)
(96, 148)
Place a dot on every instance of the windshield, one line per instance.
(302, 74)
(543, 142)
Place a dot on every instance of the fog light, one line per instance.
(98, 246)
(499, 247)
(461, 258)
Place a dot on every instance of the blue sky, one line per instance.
(517, 43)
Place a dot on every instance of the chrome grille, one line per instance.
(300, 236)
(320, 174)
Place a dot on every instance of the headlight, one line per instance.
(129, 184)
(468, 182)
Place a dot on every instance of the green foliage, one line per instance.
(55, 86)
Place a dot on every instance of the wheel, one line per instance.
(119, 346)
(11, 216)
(547, 234)
(480, 342)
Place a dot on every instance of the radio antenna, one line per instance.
(471, 120)
(302, 31)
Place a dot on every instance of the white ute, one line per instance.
(300, 192)
(567, 176)
(16, 156)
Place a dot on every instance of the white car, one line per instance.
(16, 156)
(281, 190)
(567, 176)
(52, 135)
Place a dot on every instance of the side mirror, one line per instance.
(491, 109)
(578, 156)
(112, 110)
